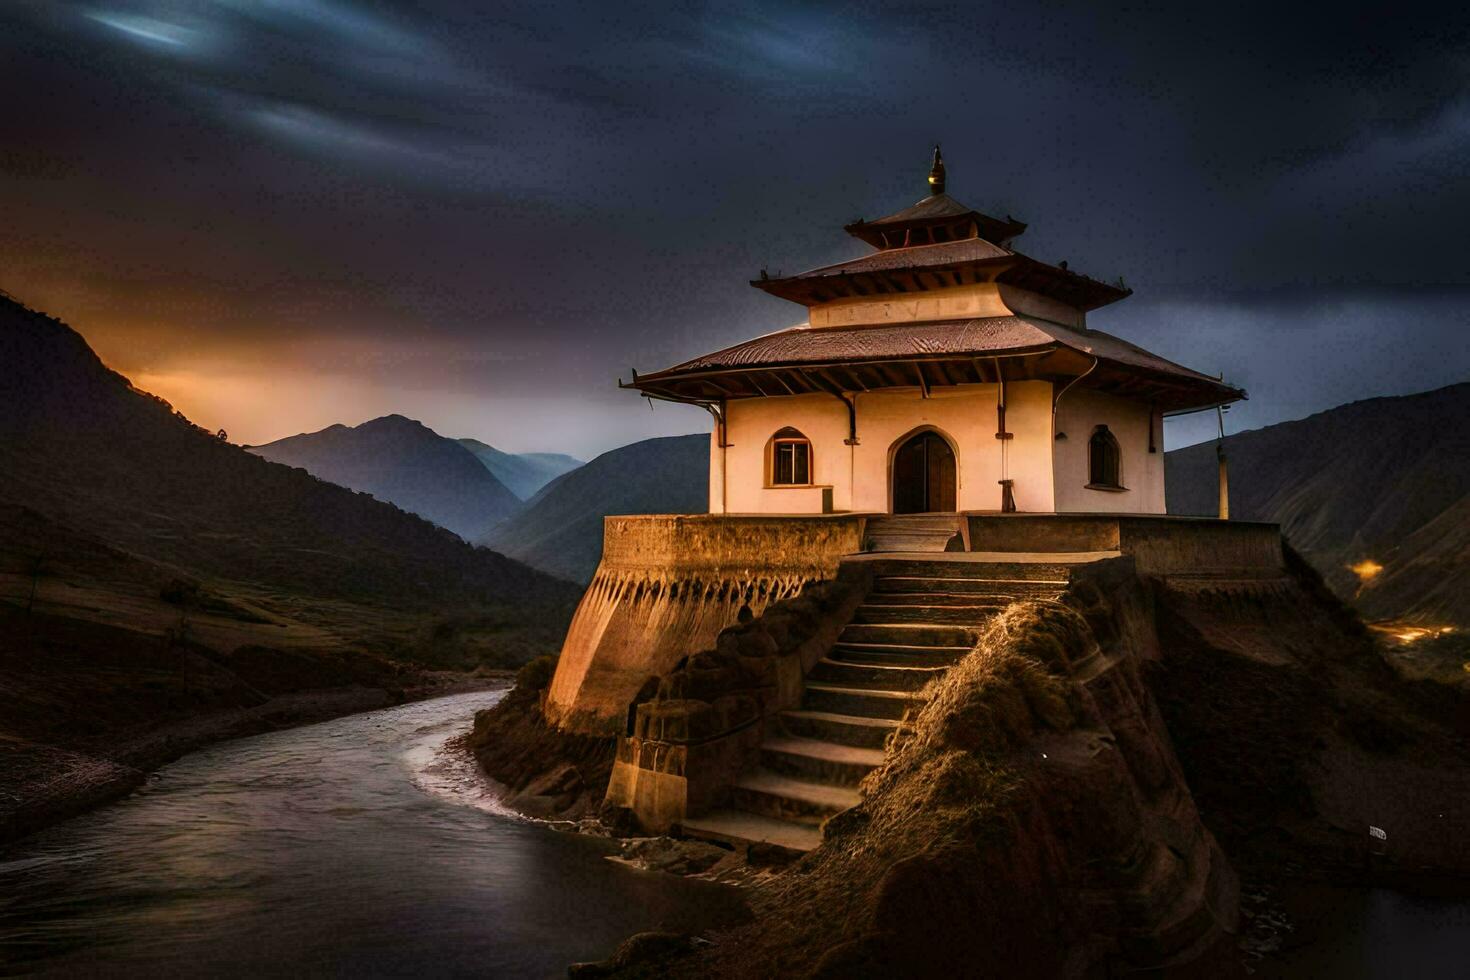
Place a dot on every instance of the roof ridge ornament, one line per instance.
(936, 173)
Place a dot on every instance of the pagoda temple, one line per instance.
(945, 371)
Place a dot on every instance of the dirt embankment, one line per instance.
(1065, 801)
(91, 707)
(1031, 820)
(1297, 736)
(547, 773)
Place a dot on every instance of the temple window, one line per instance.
(790, 459)
(1103, 460)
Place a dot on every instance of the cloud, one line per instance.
(150, 31)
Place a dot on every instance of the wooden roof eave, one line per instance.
(851, 370)
(1054, 362)
(808, 290)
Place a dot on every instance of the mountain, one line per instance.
(1381, 484)
(406, 463)
(80, 445)
(560, 529)
(522, 473)
(161, 588)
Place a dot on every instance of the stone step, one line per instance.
(911, 633)
(815, 761)
(914, 534)
(779, 797)
(937, 600)
(892, 522)
(987, 586)
(971, 614)
(940, 569)
(846, 700)
(740, 827)
(888, 656)
(923, 542)
(893, 676)
(855, 730)
(967, 566)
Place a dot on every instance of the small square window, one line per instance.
(791, 463)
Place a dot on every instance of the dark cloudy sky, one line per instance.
(285, 214)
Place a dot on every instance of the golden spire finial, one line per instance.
(936, 173)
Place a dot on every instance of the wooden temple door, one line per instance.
(924, 476)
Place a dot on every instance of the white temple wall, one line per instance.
(751, 422)
(859, 476)
(1080, 412)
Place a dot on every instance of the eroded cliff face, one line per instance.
(1031, 820)
(1296, 736)
(1064, 802)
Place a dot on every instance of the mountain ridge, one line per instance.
(1381, 480)
(404, 462)
(84, 446)
(161, 588)
(560, 529)
(524, 474)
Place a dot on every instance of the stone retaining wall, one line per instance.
(705, 722)
(666, 587)
(1158, 545)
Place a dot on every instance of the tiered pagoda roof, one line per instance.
(936, 244)
(929, 354)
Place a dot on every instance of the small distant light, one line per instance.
(1377, 833)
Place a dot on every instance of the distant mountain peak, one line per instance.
(560, 529)
(524, 473)
(83, 447)
(403, 461)
(395, 421)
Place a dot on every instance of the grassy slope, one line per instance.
(160, 587)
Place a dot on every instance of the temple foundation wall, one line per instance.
(667, 586)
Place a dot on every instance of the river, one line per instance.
(360, 846)
(365, 847)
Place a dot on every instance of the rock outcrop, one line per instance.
(1058, 805)
(1031, 820)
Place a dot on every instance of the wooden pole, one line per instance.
(1224, 470)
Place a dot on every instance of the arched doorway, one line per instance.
(924, 475)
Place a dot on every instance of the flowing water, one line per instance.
(361, 846)
(365, 847)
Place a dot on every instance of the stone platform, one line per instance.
(668, 585)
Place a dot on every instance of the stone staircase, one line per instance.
(914, 533)
(922, 614)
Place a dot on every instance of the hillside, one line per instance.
(1385, 480)
(522, 473)
(406, 463)
(161, 588)
(81, 445)
(560, 530)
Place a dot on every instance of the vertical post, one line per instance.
(1007, 497)
(1224, 470)
(724, 456)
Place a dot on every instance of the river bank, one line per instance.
(42, 785)
(362, 846)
